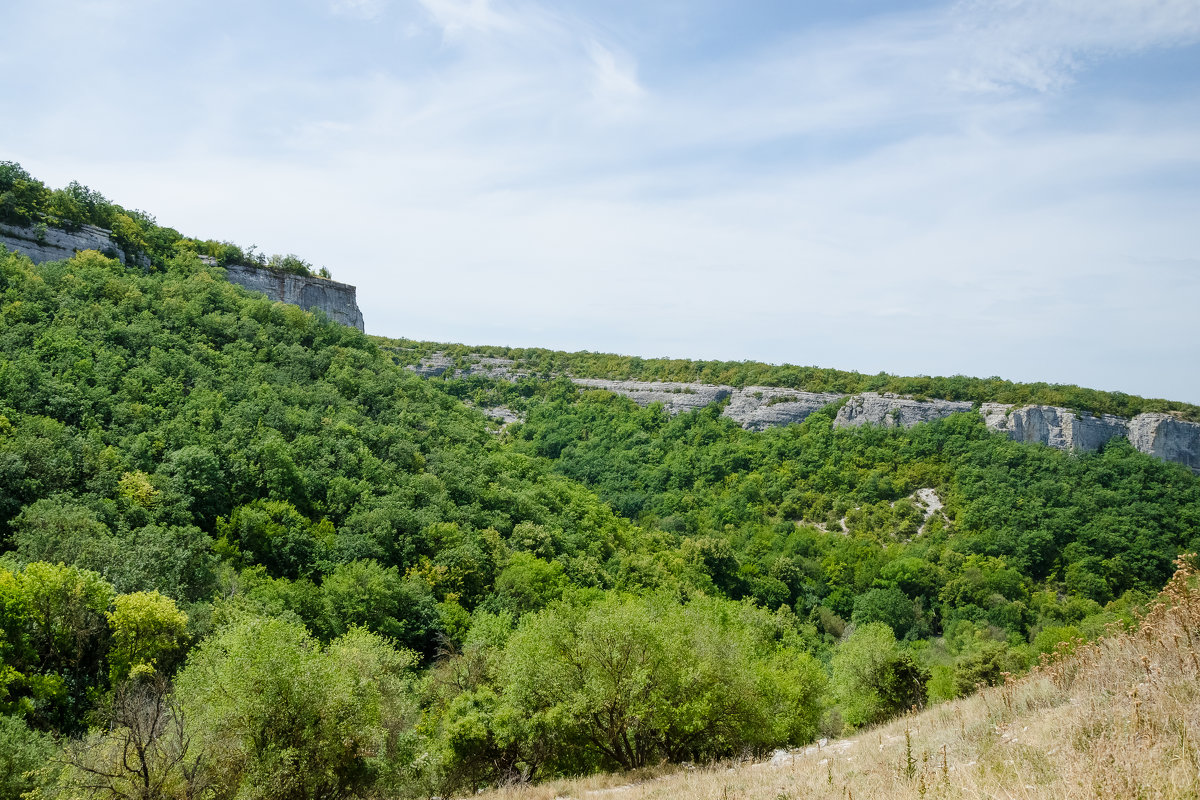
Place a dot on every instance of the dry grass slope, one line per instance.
(1119, 718)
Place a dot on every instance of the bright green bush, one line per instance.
(282, 716)
(873, 679)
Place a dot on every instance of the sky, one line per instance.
(984, 187)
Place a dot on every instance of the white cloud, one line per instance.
(1042, 44)
(456, 17)
(363, 9)
(614, 79)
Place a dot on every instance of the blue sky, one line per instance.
(988, 188)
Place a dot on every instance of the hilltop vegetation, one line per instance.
(26, 201)
(245, 546)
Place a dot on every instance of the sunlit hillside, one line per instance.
(1119, 718)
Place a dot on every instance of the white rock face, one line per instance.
(1053, 426)
(54, 244)
(760, 407)
(1167, 438)
(757, 408)
(675, 397)
(432, 366)
(337, 300)
(499, 369)
(892, 411)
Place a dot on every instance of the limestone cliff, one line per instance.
(757, 408)
(43, 243)
(675, 397)
(893, 411)
(1168, 438)
(337, 300)
(761, 407)
(1056, 427)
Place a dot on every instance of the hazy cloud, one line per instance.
(615, 82)
(364, 9)
(1042, 44)
(455, 17)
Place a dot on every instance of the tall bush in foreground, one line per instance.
(281, 716)
(22, 751)
(873, 678)
(632, 681)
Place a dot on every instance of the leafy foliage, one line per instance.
(874, 679)
(26, 201)
(289, 718)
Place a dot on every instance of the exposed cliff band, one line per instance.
(338, 300)
(760, 407)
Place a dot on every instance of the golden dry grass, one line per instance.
(1119, 718)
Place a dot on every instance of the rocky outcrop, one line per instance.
(760, 407)
(1056, 427)
(675, 397)
(337, 300)
(754, 407)
(43, 243)
(757, 408)
(504, 414)
(499, 369)
(1167, 438)
(433, 366)
(894, 411)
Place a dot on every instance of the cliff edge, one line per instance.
(338, 300)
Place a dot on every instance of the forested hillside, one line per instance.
(245, 553)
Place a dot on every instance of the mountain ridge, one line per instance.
(1156, 433)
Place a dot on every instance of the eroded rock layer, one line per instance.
(337, 300)
(43, 243)
(761, 407)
